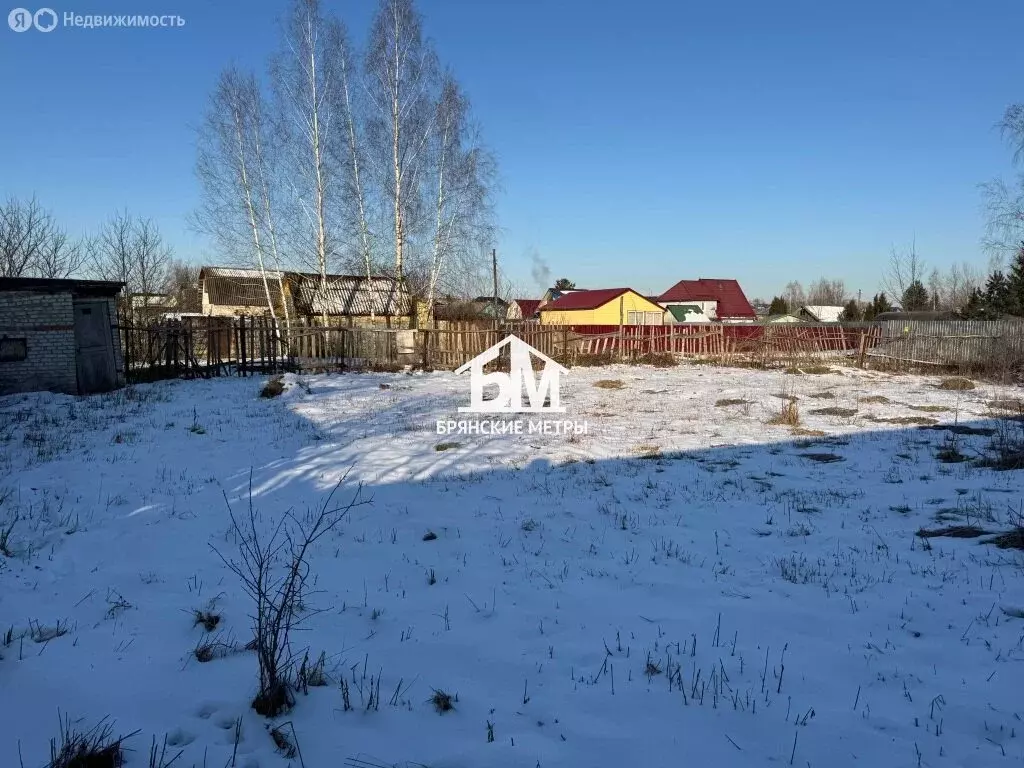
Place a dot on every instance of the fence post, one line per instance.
(862, 352)
(241, 346)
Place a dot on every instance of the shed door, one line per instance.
(94, 352)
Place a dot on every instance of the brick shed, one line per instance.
(59, 335)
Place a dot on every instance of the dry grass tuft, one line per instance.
(609, 384)
(96, 748)
(788, 416)
(813, 370)
(1010, 540)
(823, 458)
(1006, 404)
(446, 446)
(443, 702)
(273, 388)
(648, 451)
(879, 399)
(953, 532)
(930, 408)
(843, 412)
(905, 420)
(801, 432)
(955, 384)
(205, 618)
(725, 402)
(656, 359)
(826, 395)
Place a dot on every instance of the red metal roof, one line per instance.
(730, 297)
(586, 299)
(528, 306)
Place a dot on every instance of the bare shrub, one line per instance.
(6, 530)
(1006, 449)
(274, 573)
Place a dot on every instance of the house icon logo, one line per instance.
(521, 390)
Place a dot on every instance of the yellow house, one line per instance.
(607, 306)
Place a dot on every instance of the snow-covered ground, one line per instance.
(685, 584)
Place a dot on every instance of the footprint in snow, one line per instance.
(179, 738)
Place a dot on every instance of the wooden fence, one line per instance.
(988, 346)
(217, 346)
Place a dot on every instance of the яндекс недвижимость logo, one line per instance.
(520, 390)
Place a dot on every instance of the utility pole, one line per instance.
(494, 269)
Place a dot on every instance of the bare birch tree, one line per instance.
(464, 171)
(236, 207)
(1004, 200)
(401, 72)
(305, 76)
(355, 201)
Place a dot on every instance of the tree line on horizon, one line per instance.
(366, 159)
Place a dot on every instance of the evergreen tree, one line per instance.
(915, 298)
(851, 312)
(1014, 304)
(997, 293)
(879, 304)
(977, 307)
(564, 284)
(778, 306)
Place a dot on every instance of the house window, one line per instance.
(13, 350)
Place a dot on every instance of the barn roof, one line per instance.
(99, 288)
(586, 299)
(231, 287)
(528, 307)
(732, 302)
(349, 295)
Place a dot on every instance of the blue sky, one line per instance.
(640, 142)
